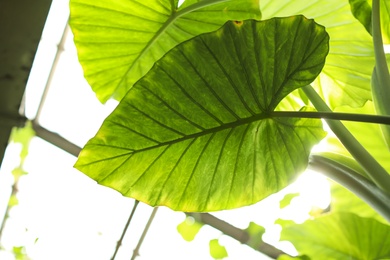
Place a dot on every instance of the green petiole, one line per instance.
(373, 169)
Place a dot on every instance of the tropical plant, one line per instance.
(221, 101)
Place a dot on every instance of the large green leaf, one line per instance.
(119, 41)
(340, 236)
(195, 133)
(361, 9)
(345, 79)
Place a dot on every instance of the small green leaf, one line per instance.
(340, 236)
(216, 250)
(255, 232)
(287, 199)
(284, 222)
(195, 133)
(13, 201)
(23, 136)
(189, 228)
(119, 41)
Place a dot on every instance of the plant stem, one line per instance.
(382, 70)
(373, 169)
(238, 234)
(353, 181)
(119, 243)
(136, 250)
(334, 116)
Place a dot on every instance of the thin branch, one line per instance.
(238, 234)
(136, 250)
(119, 243)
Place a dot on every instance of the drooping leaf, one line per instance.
(287, 199)
(340, 236)
(119, 41)
(345, 79)
(189, 228)
(361, 9)
(195, 133)
(217, 251)
(345, 201)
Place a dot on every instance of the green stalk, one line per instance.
(355, 182)
(354, 117)
(373, 169)
(380, 82)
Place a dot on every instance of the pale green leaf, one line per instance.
(255, 232)
(195, 133)
(345, 79)
(287, 199)
(119, 41)
(216, 250)
(340, 236)
(361, 9)
(189, 228)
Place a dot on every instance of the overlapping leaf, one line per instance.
(340, 236)
(119, 41)
(195, 133)
(345, 79)
(361, 9)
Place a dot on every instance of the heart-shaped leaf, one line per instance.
(196, 134)
(119, 41)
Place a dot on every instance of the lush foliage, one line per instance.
(215, 108)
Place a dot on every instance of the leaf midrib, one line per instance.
(220, 128)
(174, 16)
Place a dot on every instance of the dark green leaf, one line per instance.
(119, 41)
(216, 250)
(189, 228)
(340, 236)
(194, 134)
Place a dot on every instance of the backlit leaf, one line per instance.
(345, 79)
(340, 236)
(119, 41)
(361, 9)
(287, 199)
(195, 133)
(216, 250)
(189, 228)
